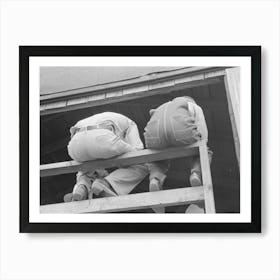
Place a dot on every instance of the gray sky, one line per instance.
(55, 79)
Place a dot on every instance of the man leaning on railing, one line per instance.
(176, 123)
(103, 136)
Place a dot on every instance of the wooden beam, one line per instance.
(127, 159)
(125, 94)
(84, 102)
(207, 180)
(129, 202)
(232, 86)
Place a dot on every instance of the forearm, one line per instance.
(133, 138)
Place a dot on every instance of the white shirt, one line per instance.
(123, 127)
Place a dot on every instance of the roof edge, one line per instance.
(152, 77)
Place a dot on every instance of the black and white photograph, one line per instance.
(141, 139)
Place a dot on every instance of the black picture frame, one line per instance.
(25, 52)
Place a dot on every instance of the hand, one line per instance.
(102, 172)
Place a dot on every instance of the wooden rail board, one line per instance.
(232, 86)
(207, 180)
(129, 202)
(127, 159)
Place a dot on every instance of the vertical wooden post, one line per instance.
(232, 85)
(206, 179)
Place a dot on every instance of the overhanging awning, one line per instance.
(139, 87)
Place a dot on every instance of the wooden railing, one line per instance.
(176, 196)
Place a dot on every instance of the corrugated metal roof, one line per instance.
(58, 79)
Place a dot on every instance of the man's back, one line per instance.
(172, 124)
(118, 121)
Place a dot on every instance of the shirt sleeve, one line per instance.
(132, 136)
